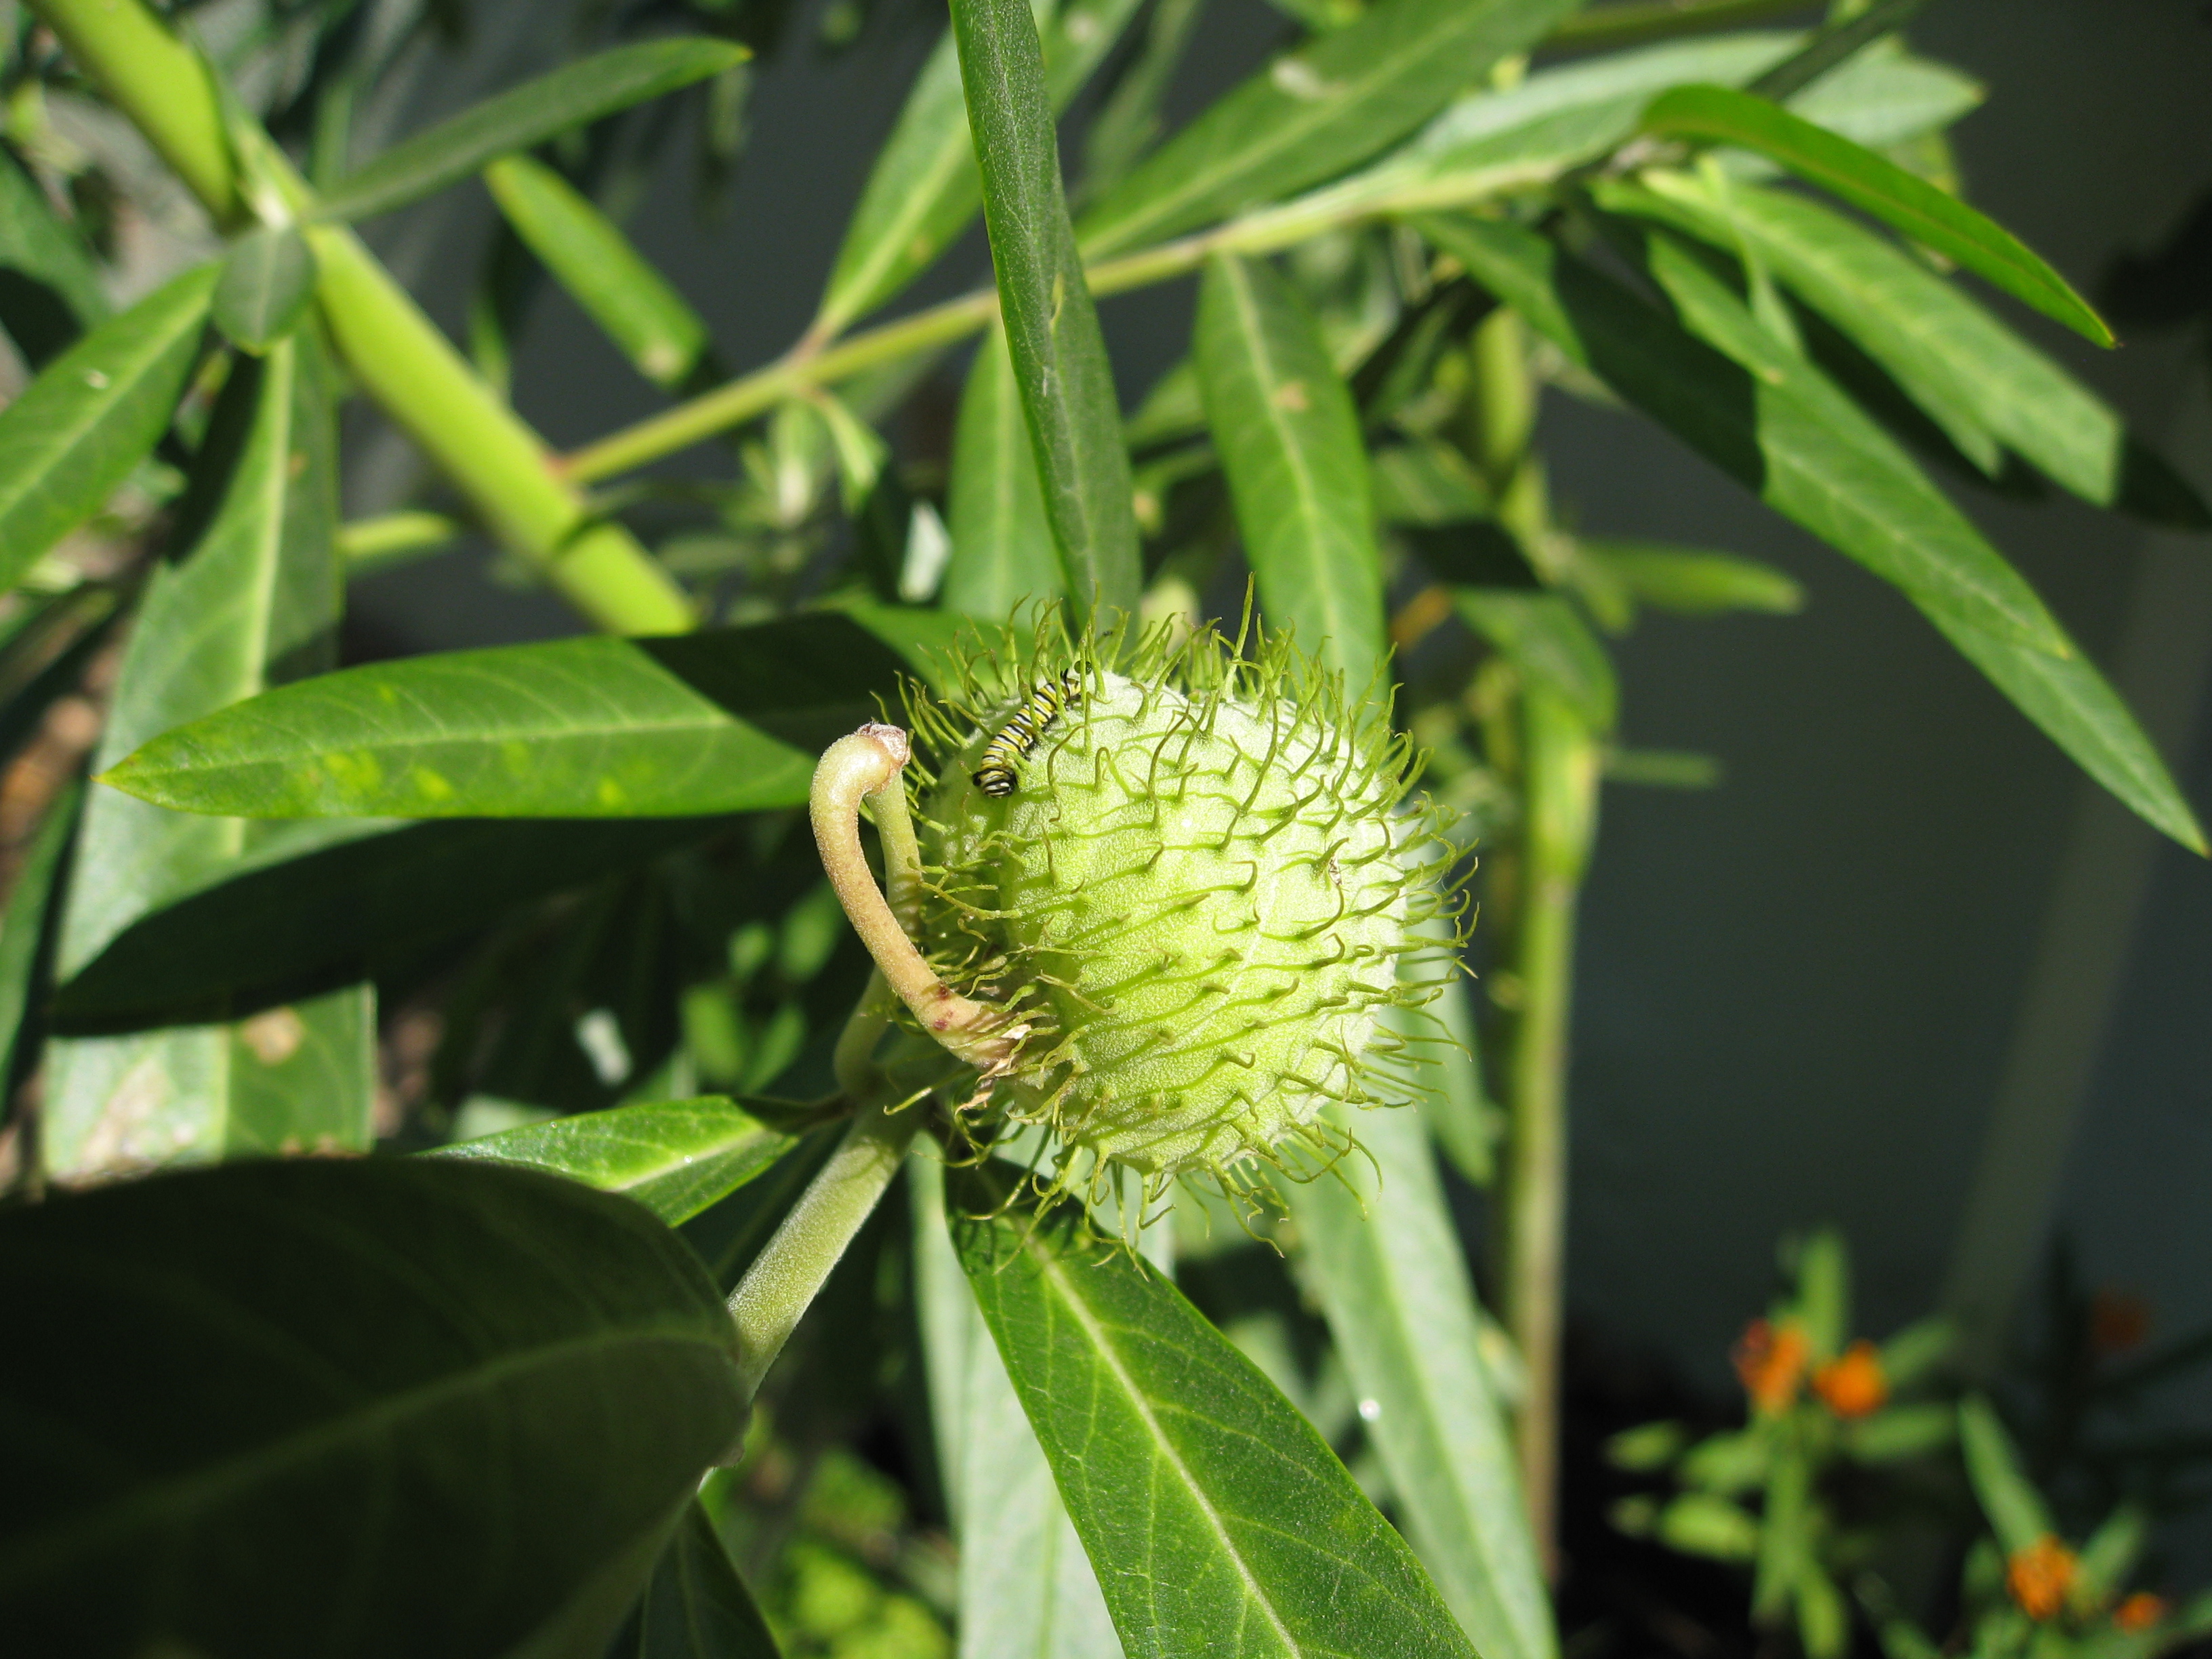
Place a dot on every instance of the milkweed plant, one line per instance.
(909, 1088)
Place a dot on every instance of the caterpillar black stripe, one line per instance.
(995, 776)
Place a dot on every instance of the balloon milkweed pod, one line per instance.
(1193, 869)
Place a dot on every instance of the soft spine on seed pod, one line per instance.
(1191, 874)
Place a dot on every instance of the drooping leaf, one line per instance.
(91, 416)
(1692, 582)
(268, 278)
(1380, 1247)
(720, 721)
(1879, 187)
(1973, 376)
(2016, 1510)
(571, 96)
(1315, 112)
(311, 906)
(256, 600)
(1002, 547)
(924, 189)
(1025, 1585)
(24, 923)
(214, 1448)
(50, 289)
(1059, 356)
(1545, 637)
(1773, 421)
(1151, 1419)
(675, 1156)
(1290, 444)
(695, 1605)
(588, 255)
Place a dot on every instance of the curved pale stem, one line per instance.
(866, 767)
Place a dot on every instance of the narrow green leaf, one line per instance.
(1052, 328)
(1379, 1245)
(1545, 637)
(924, 189)
(571, 96)
(24, 924)
(268, 278)
(726, 720)
(1974, 377)
(1025, 1586)
(1316, 112)
(1692, 582)
(1290, 444)
(695, 1604)
(2016, 1510)
(1843, 37)
(1130, 116)
(1787, 432)
(326, 901)
(211, 1450)
(2110, 1554)
(1149, 1418)
(589, 256)
(1824, 1293)
(57, 294)
(91, 416)
(675, 1156)
(1002, 546)
(1879, 187)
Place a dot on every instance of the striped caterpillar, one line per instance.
(995, 776)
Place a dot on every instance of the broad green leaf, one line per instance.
(695, 1605)
(25, 921)
(1785, 430)
(1002, 547)
(1974, 377)
(1060, 369)
(257, 599)
(1545, 637)
(726, 720)
(2016, 1510)
(326, 901)
(589, 256)
(268, 278)
(1316, 112)
(675, 1156)
(49, 286)
(1879, 187)
(1025, 1586)
(1692, 582)
(571, 96)
(1290, 444)
(1151, 1420)
(1377, 1241)
(91, 416)
(214, 1448)
(924, 189)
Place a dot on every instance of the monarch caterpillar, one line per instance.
(995, 776)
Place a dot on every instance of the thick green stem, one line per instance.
(791, 1268)
(395, 352)
(1559, 793)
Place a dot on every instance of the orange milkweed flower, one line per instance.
(2039, 1577)
(2140, 1611)
(1854, 1383)
(1771, 1361)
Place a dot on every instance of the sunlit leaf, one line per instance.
(1692, 582)
(268, 278)
(1290, 443)
(1002, 547)
(215, 1448)
(52, 292)
(1879, 187)
(571, 96)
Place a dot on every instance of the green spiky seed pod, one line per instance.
(1190, 880)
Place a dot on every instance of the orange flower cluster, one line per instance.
(2040, 1576)
(1771, 1361)
(1854, 1383)
(2140, 1611)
